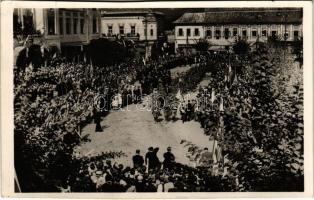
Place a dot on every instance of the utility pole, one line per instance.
(146, 38)
(285, 36)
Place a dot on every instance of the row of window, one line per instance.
(227, 33)
(188, 32)
(74, 23)
(122, 30)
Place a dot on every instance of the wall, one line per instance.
(127, 22)
(182, 40)
(222, 41)
(40, 21)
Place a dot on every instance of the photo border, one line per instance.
(7, 96)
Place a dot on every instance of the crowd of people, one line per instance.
(62, 98)
(209, 98)
(69, 90)
(148, 174)
(53, 103)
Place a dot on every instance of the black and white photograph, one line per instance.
(158, 100)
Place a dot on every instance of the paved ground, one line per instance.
(135, 128)
(177, 71)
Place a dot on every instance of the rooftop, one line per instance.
(246, 16)
(129, 12)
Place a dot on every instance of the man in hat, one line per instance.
(169, 159)
(138, 160)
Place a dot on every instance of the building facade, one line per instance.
(221, 28)
(143, 26)
(70, 30)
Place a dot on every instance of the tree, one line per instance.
(266, 140)
(274, 41)
(241, 47)
(105, 52)
(202, 45)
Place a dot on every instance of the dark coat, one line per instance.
(169, 159)
(138, 161)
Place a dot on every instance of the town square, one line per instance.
(158, 99)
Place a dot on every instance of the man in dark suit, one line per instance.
(189, 110)
(169, 159)
(97, 120)
(152, 159)
(138, 160)
(148, 157)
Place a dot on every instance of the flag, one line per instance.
(42, 51)
(179, 95)
(235, 80)
(27, 52)
(91, 69)
(213, 96)
(221, 107)
(144, 61)
(30, 66)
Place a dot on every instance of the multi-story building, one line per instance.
(70, 30)
(221, 27)
(143, 26)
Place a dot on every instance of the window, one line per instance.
(217, 34)
(273, 33)
(188, 32)
(209, 33)
(132, 30)
(254, 33)
(28, 21)
(82, 21)
(61, 24)
(75, 23)
(244, 33)
(235, 32)
(226, 33)
(264, 33)
(68, 26)
(180, 32)
(51, 22)
(16, 22)
(151, 32)
(110, 30)
(196, 32)
(296, 34)
(121, 30)
(94, 24)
